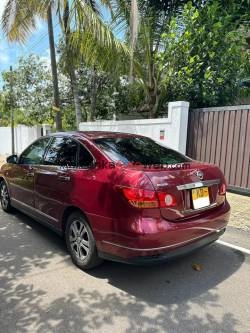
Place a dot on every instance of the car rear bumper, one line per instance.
(156, 240)
(164, 257)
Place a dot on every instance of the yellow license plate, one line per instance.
(200, 197)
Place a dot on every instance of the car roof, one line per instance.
(93, 135)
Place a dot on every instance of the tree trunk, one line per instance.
(71, 69)
(78, 110)
(153, 100)
(58, 117)
(93, 96)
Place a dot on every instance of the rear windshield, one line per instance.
(139, 150)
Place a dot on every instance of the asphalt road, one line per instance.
(42, 291)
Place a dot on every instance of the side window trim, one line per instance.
(46, 150)
(78, 155)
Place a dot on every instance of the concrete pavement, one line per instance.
(42, 291)
(240, 210)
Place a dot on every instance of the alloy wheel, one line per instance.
(4, 196)
(79, 240)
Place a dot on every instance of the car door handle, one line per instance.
(64, 178)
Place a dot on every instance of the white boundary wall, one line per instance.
(24, 136)
(171, 131)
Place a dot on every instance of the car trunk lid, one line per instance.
(183, 183)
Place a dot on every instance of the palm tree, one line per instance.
(145, 21)
(65, 23)
(58, 117)
(91, 38)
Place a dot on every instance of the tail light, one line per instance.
(141, 198)
(167, 200)
(222, 189)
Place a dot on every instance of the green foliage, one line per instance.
(4, 109)
(205, 56)
(114, 96)
(32, 96)
(129, 96)
(32, 90)
(194, 52)
(154, 19)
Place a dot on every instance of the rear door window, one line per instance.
(62, 151)
(139, 150)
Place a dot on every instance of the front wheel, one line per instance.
(5, 198)
(81, 243)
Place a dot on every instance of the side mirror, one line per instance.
(12, 159)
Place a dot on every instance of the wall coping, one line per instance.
(222, 108)
(129, 122)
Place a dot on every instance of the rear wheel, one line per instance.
(81, 243)
(4, 197)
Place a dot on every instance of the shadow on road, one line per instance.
(164, 298)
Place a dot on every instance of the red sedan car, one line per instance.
(117, 196)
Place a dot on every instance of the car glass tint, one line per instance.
(34, 153)
(62, 152)
(139, 150)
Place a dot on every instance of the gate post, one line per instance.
(178, 113)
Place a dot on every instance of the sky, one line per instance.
(38, 43)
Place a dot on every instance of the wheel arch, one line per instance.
(67, 212)
(2, 179)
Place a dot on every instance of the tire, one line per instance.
(5, 197)
(81, 243)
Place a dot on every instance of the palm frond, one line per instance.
(121, 15)
(94, 52)
(18, 19)
(85, 19)
(94, 6)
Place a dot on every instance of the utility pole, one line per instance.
(12, 112)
